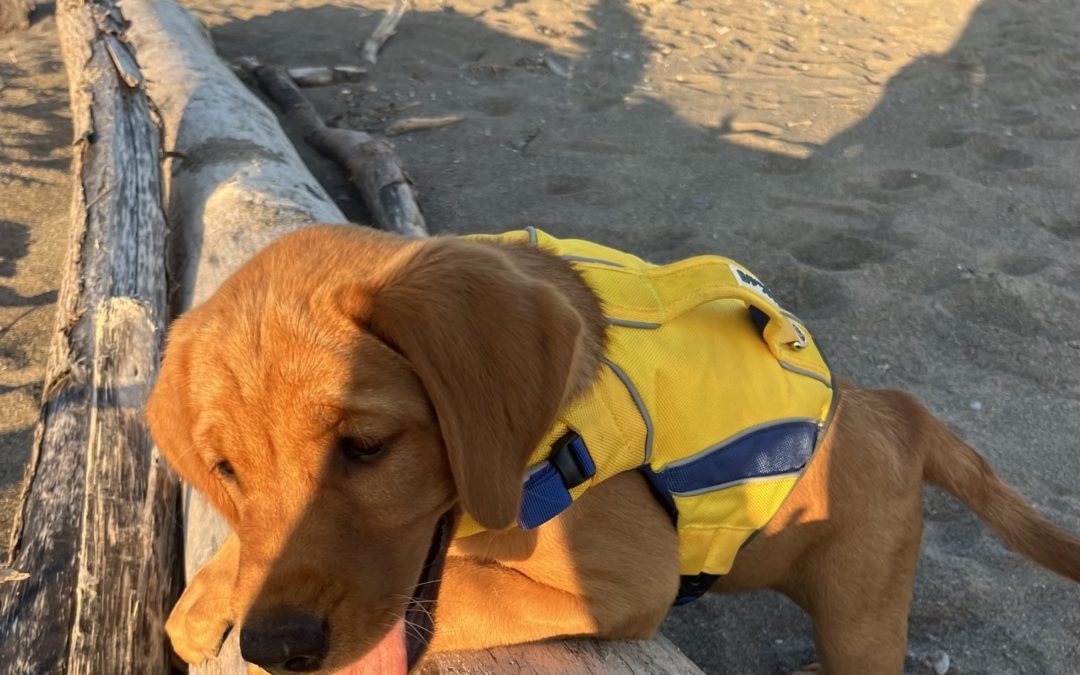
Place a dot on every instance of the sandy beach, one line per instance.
(35, 188)
(902, 174)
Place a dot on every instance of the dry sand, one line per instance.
(902, 173)
(35, 136)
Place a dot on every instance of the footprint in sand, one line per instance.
(895, 185)
(809, 293)
(1019, 117)
(779, 165)
(595, 104)
(1062, 227)
(1020, 264)
(561, 185)
(903, 179)
(1052, 132)
(838, 251)
(1001, 158)
(944, 139)
(1020, 306)
(497, 106)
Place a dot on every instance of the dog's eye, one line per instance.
(225, 470)
(360, 450)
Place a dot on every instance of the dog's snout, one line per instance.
(286, 640)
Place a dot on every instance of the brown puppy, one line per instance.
(347, 394)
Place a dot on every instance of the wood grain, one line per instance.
(96, 535)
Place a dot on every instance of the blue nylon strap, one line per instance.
(545, 497)
(547, 493)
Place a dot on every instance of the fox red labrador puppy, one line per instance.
(363, 408)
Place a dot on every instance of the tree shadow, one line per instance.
(38, 121)
(14, 246)
(14, 443)
(589, 155)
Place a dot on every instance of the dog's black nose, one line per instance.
(285, 639)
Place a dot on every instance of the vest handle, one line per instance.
(687, 284)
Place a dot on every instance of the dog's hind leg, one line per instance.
(858, 595)
(845, 544)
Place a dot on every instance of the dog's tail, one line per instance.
(951, 464)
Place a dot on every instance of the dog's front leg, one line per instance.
(609, 569)
(201, 618)
(486, 605)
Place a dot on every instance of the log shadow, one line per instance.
(14, 246)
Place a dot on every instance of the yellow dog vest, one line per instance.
(708, 387)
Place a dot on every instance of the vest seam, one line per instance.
(805, 372)
(639, 403)
(740, 481)
(715, 447)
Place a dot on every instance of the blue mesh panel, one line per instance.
(778, 449)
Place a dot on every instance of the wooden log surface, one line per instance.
(569, 657)
(95, 537)
(234, 183)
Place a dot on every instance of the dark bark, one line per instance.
(369, 160)
(96, 535)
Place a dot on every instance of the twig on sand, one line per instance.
(404, 126)
(369, 160)
(384, 30)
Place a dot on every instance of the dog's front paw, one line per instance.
(200, 620)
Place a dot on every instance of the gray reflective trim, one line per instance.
(808, 373)
(532, 235)
(741, 481)
(791, 316)
(745, 432)
(584, 259)
(630, 324)
(533, 469)
(640, 406)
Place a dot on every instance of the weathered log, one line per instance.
(369, 160)
(576, 657)
(96, 533)
(235, 184)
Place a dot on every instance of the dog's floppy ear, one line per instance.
(168, 411)
(494, 348)
(171, 416)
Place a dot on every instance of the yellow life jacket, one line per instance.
(708, 387)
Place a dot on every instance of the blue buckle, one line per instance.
(547, 486)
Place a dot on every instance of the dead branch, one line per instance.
(370, 161)
(385, 29)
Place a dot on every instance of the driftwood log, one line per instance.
(369, 160)
(233, 183)
(569, 657)
(385, 29)
(96, 535)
